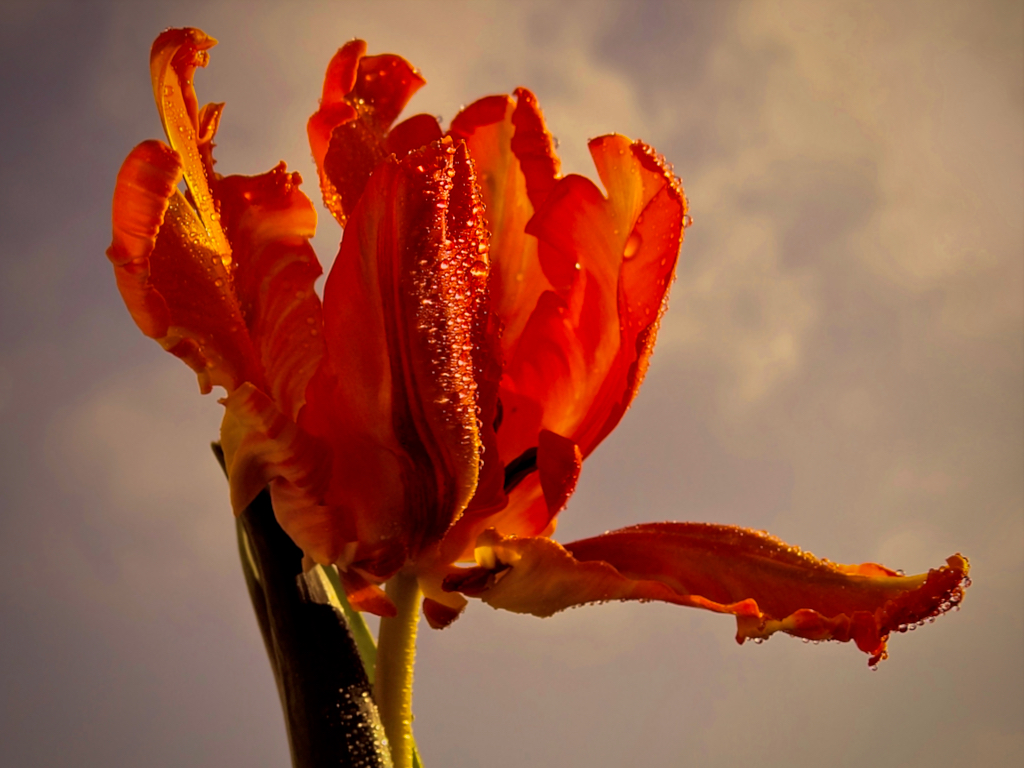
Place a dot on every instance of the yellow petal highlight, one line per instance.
(173, 60)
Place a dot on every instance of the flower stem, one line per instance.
(396, 655)
(321, 679)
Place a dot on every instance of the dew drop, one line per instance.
(633, 243)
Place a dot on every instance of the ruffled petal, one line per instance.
(403, 308)
(177, 289)
(534, 148)
(585, 348)
(222, 277)
(766, 584)
(269, 222)
(264, 447)
(611, 260)
(515, 159)
(362, 97)
(173, 60)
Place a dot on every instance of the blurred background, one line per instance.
(841, 364)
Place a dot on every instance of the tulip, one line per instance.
(486, 324)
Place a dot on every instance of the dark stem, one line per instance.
(326, 697)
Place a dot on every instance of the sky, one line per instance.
(842, 364)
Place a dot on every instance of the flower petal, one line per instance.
(251, 316)
(766, 584)
(439, 607)
(173, 60)
(364, 595)
(611, 260)
(559, 461)
(176, 288)
(362, 97)
(409, 135)
(269, 222)
(585, 348)
(402, 310)
(264, 447)
(515, 159)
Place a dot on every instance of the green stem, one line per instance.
(396, 655)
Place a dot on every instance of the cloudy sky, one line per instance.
(842, 364)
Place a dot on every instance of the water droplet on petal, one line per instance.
(633, 243)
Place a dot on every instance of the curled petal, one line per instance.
(766, 584)
(534, 148)
(176, 288)
(362, 97)
(612, 260)
(515, 159)
(584, 350)
(145, 184)
(438, 614)
(173, 60)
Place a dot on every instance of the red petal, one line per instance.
(334, 109)
(173, 60)
(248, 318)
(534, 148)
(515, 159)
(269, 222)
(366, 596)
(584, 350)
(263, 446)
(409, 135)
(438, 614)
(558, 468)
(402, 308)
(534, 502)
(766, 584)
(177, 289)
(145, 184)
(362, 96)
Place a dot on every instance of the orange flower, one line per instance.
(486, 324)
